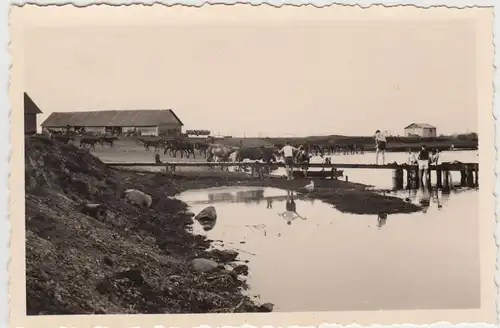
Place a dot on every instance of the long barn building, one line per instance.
(148, 122)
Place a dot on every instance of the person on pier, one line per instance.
(287, 151)
(303, 159)
(423, 164)
(412, 159)
(380, 145)
(435, 157)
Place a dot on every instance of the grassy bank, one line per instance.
(137, 260)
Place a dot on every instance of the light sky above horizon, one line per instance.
(283, 79)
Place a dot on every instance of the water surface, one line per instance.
(335, 261)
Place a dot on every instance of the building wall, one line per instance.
(29, 123)
(95, 129)
(170, 128)
(145, 130)
(421, 132)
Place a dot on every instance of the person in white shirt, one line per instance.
(287, 152)
(412, 158)
(381, 145)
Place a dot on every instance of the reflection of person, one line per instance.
(425, 198)
(381, 220)
(290, 213)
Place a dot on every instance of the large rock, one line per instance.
(207, 214)
(203, 264)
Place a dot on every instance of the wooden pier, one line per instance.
(469, 172)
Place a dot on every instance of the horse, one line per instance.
(63, 138)
(202, 148)
(90, 141)
(108, 140)
(148, 143)
(219, 153)
(184, 146)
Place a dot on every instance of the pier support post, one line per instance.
(463, 177)
(397, 178)
(408, 178)
(470, 177)
(476, 168)
(447, 182)
(439, 177)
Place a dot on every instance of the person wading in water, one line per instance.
(380, 145)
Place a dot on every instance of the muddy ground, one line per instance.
(137, 260)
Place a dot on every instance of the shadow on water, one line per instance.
(304, 255)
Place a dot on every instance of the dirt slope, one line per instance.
(135, 261)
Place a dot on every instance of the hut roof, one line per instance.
(142, 117)
(420, 125)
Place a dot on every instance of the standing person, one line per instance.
(287, 152)
(435, 157)
(381, 145)
(412, 159)
(304, 158)
(423, 164)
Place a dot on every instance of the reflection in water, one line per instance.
(381, 220)
(332, 259)
(290, 212)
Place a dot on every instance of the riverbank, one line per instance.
(138, 260)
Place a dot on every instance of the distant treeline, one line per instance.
(394, 143)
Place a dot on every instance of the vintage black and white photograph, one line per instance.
(245, 166)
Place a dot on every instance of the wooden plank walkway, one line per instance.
(446, 166)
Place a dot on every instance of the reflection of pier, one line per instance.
(253, 196)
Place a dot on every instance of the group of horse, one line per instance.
(85, 141)
(214, 152)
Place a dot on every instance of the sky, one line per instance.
(281, 79)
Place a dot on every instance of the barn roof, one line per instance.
(143, 117)
(29, 106)
(420, 125)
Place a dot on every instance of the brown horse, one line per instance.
(108, 140)
(90, 141)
